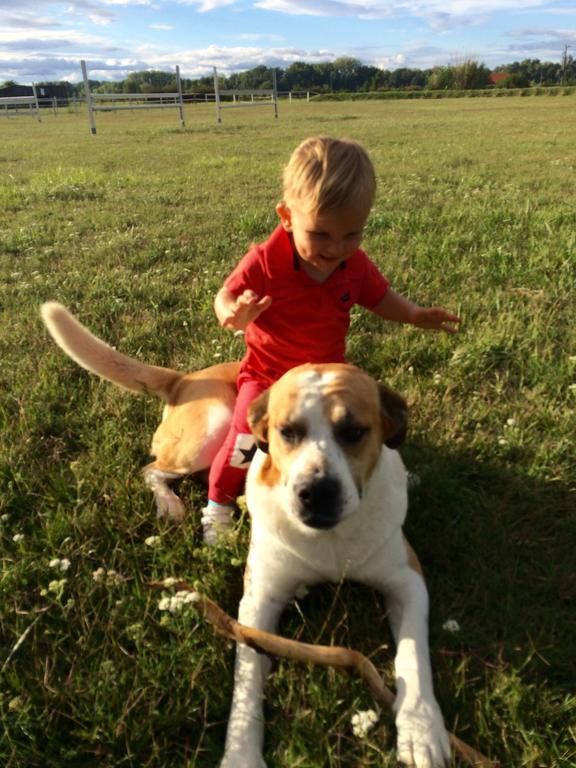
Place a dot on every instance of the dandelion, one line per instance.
(451, 626)
(363, 722)
(152, 541)
(18, 537)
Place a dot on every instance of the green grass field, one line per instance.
(134, 230)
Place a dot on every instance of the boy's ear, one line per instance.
(285, 216)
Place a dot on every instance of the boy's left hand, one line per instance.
(436, 319)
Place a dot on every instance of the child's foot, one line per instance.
(217, 520)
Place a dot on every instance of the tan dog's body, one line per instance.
(327, 495)
(196, 416)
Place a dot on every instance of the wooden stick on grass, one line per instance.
(323, 655)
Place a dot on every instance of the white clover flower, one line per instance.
(152, 541)
(5, 518)
(170, 581)
(175, 603)
(61, 565)
(451, 626)
(99, 575)
(18, 537)
(437, 378)
(510, 422)
(113, 578)
(363, 722)
(57, 585)
(502, 441)
(109, 577)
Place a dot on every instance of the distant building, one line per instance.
(46, 93)
(497, 77)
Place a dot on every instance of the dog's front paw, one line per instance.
(244, 760)
(422, 738)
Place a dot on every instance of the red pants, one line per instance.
(228, 470)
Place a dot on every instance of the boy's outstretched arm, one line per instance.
(397, 308)
(237, 312)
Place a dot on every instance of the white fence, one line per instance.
(262, 97)
(111, 102)
(12, 105)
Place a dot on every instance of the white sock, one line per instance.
(217, 519)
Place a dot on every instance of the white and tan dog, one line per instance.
(327, 494)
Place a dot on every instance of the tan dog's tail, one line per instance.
(98, 357)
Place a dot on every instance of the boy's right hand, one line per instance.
(247, 307)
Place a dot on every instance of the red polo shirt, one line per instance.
(307, 321)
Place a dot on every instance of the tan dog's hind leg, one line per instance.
(168, 505)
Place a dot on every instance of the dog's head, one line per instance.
(323, 427)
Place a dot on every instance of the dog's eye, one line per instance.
(350, 434)
(290, 433)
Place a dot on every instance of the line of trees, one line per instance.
(349, 74)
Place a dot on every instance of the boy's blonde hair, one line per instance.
(325, 173)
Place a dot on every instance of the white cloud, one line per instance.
(255, 37)
(208, 5)
(363, 10)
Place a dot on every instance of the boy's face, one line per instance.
(323, 239)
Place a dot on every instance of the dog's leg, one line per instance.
(421, 735)
(168, 505)
(245, 735)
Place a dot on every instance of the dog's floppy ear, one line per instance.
(394, 411)
(258, 420)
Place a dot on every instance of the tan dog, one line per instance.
(327, 495)
(196, 415)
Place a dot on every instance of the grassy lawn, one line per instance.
(134, 230)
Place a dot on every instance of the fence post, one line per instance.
(275, 92)
(217, 96)
(88, 98)
(36, 102)
(180, 99)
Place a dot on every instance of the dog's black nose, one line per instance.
(320, 502)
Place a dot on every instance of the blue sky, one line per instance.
(45, 40)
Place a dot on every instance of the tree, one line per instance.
(441, 79)
(470, 74)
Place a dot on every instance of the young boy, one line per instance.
(292, 295)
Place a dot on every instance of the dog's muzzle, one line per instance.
(319, 502)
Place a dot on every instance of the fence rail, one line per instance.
(13, 104)
(168, 100)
